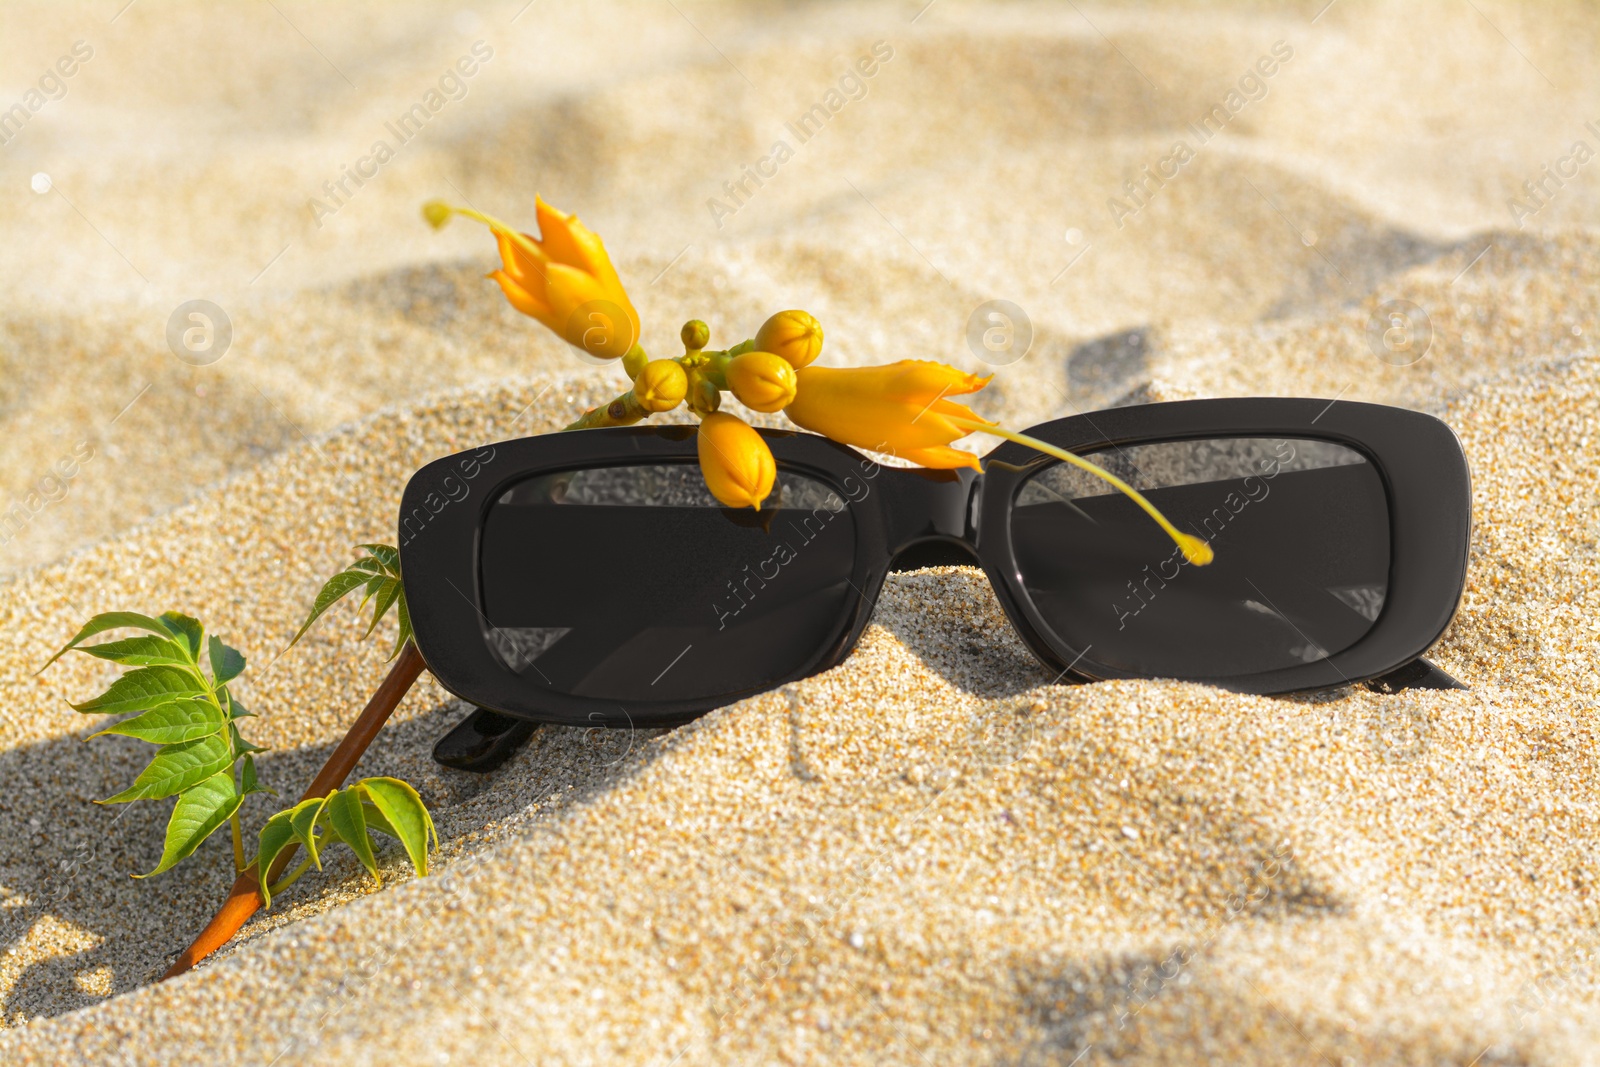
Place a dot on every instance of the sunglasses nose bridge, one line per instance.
(929, 505)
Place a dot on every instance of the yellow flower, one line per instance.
(899, 408)
(794, 335)
(737, 464)
(661, 386)
(564, 279)
(761, 381)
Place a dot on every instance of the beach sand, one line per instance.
(932, 853)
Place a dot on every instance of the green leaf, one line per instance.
(334, 590)
(141, 689)
(303, 819)
(348, 820)
(275, 836)
(110, 620)
(226, 663)
(387, 555)
(407, 816)
(173, 723)
(405, 625)
(176, 768)
(200, 812)
(375, 583)
(386, 597)
(376, 820)
(247, 778)
(140, 652)
(240, 745)
(185, 629)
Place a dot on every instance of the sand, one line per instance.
(930, 854)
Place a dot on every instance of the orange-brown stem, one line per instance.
(244, 899)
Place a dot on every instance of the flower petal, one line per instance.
(566, 240)
(523, 300)
(941, 457)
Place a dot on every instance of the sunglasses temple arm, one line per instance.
(1418, 674)
(244, 899)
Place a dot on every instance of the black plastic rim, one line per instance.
(1419, 458)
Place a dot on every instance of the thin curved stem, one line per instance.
(1194, 549)
(500, 227)
(289, 879)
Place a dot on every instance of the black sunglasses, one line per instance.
(589, 578)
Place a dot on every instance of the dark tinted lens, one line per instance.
(1301, 534)
(633, 583)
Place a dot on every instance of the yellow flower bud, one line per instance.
(704, 397)
(695, 334)
(661, 386)
(737, 464)
(796, 336)
(761, 381)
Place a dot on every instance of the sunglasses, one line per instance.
(589, 578)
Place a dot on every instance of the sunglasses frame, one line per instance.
(919, 517)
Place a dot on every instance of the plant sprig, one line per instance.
(378, 572)
(173, 703)
(349, 815)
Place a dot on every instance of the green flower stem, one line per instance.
(635, 361)
(715, 368)
(623, 411)
(1194, 549)
(238, 842)
(289, 879)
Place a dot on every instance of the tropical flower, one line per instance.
(796, 336)
(566, 281)
(898, 408)
(563, 278)
(737, 464)
(761, 381)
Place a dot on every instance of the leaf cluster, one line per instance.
(378, 573)
(349, 816)
(175, 704)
